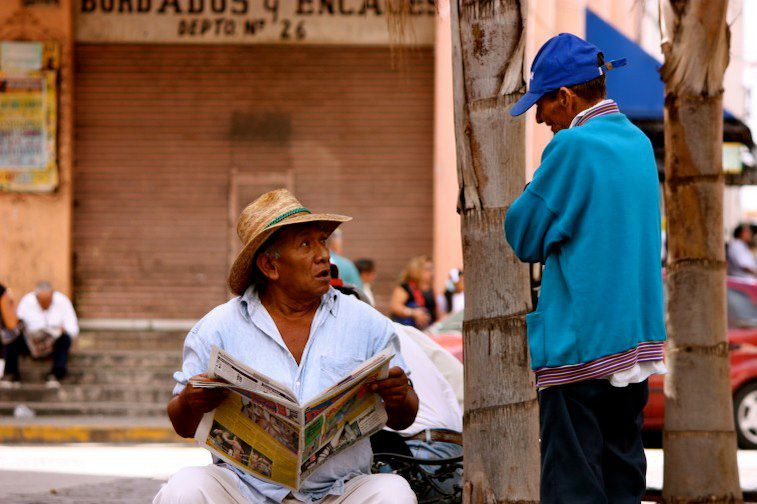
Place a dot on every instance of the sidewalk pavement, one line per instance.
(91, 473)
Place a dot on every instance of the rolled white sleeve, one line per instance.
(70, 321)
(196, 354)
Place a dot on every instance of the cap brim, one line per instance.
(526, 102)
(240, 274)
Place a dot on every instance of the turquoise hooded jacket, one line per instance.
(592, 216)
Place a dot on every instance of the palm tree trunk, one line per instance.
(699, 438)
(501, 412)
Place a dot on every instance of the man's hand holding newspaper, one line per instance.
(202, 395)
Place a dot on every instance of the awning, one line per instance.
(640, 92)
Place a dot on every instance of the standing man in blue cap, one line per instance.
(591, 215)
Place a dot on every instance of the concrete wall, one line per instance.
(35, 229)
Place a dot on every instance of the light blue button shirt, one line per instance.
(344, 333)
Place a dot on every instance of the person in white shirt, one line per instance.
(49, 316)
(437, 430)
(741, 260)
(454, 291)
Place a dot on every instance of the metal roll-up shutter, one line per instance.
(165, 135)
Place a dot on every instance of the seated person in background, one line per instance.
(348, 272)
(437, 430)
(10, 326)
(368, 273)
(49, 318)
(290, 324)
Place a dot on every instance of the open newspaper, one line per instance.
(261, 429)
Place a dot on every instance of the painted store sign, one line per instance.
(358, 22)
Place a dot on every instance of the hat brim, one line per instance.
(240, 274)
(526, 102)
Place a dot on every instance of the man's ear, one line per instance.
(267, 266)
(564, 97)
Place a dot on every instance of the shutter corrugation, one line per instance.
(162, 132)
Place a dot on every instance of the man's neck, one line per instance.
(287, 305)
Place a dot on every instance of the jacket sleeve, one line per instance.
(531, 228)
(549, 210)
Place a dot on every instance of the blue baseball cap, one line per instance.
(564, 60)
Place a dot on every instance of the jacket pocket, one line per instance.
(536, 339)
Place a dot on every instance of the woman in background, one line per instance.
(413, 301)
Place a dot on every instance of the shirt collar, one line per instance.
(251, 303)
(604, 107)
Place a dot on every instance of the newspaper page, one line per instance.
(256, 433)
(257, 429)
(343, 414)
(223, 365)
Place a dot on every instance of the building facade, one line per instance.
(172, 115)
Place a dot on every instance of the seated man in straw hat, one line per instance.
(288, 323)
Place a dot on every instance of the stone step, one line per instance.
(105, 375)
(77, 408)
(131, 340)
(143, 394)
(89, 359)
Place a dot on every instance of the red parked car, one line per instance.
(742, 336)
(448, 332)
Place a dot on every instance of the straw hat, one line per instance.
(260, 219)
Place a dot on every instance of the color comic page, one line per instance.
(342, 420)
(249, 433)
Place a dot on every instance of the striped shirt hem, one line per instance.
(645, 352)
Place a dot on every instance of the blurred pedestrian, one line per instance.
(347, 270)
(741, 260)
(592, 216)
(10, 326)
(454, 291)
(50, 324)
(367, 270)
(413, 301)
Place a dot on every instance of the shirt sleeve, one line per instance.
(548, 211)
(740, 255)
(196, 353)
(70, 322)
(23, 307)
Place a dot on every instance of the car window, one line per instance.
(742, 312)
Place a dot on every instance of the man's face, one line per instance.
(368, 277)
(746, 234)
(45, 299)
(302, 267)
(557, 110)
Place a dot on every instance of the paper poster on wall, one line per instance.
(28, 117)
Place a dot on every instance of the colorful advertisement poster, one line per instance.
(28, 118)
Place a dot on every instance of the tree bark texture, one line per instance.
(699, 439)
(501, 430)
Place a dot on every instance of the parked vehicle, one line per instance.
(742, 338)
(448, 332)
